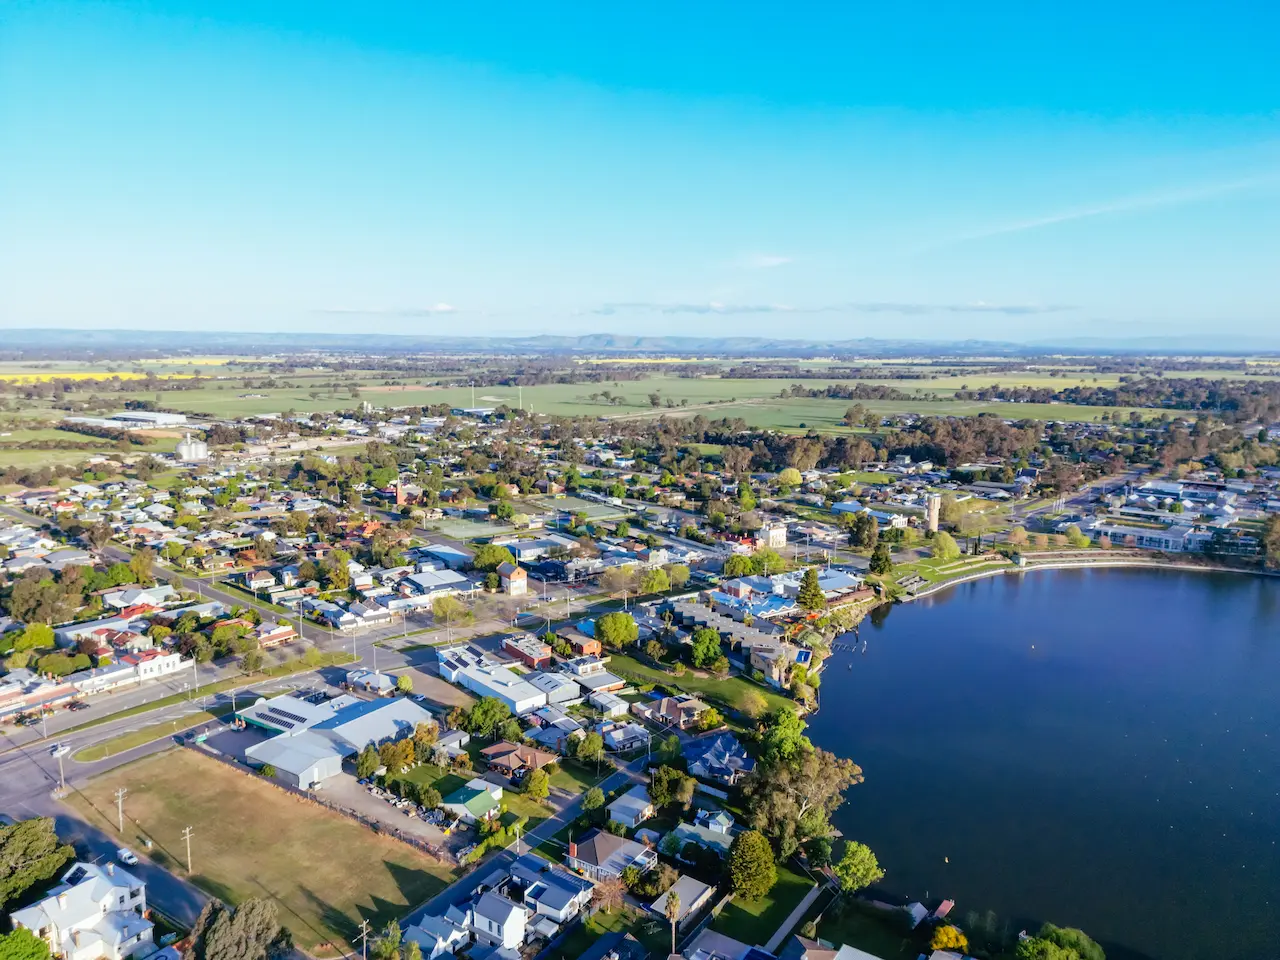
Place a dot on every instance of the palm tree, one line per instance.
(673, 914)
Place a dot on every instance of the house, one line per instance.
(529, 650)
(550, 890)
(497, 921)
(257, 580)
(720, 758)
(610, 705)
(684, 834)
(718, 821)
(478, 800)
(692, 895)
(97, 912)
(437, 936)
(632, 808)
(515, 760)
(552, 728)
(272, 634)
(600, 855)
(593, 675)
(681, 712)
(513, 579)
(616, 946)
(584, 646)
(370, 681)
(623, 737)
(801, 948)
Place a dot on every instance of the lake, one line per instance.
(1098, 749)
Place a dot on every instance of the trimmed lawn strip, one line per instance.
(325, 872)
(755, 921)
(136, 738)
(731, 692)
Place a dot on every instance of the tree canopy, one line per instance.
(617, 629)
(29, 854)
(857, 867)
(811, 596)
(750, 868)
(22, 944)
(705, 646)
(251, 931)
(490, 556)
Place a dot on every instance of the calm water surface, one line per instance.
(1096, 748)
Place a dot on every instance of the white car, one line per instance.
(59, 750)
(127, 857)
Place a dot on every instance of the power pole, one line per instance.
(120, 795)
(62, 780)
(186, 835)
(364, 939)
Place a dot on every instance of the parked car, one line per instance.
(127, 857)
(77, 705)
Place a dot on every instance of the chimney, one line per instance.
(111, 869)
(573, 850)
(62, 900)
(75, 935)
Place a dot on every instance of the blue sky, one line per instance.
(1001, 170)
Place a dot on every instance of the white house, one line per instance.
(437, 936)
(632, 808)
(497, 921)
(97, 912)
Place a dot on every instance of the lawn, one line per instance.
(754, 922)
(651, 931)
(572, 777)
(732, 691)
(447, 782)
(326, 873)
(863, 927)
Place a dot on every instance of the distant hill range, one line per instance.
(35, 343)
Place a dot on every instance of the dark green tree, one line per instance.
(811, 597)
(29, 854)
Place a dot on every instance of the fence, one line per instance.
(376, 826)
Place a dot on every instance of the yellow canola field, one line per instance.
(89, 375)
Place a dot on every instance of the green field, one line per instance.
(253, 840)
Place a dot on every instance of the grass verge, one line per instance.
(149, 734)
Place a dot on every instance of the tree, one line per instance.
(404, 683)
(99, 535)
(791, 801)
(29, 854)
(1018, 536)
(790, 477)
(251, 931)
(944, 546)
(711, 719)
(678, 575)
(750, 868)
(1037, 948)
(396, 755)
(425, 735)
(367, 762)
(881, 561)
(673, 916)
(251, 661)
(1076, 537)
(590, 747)
(705, 646)
(947, 937)
(784, 737)
(1072, 939)
(655, 581)
(1271, 540)
(490, 556)
(510, 729)
(537, 785)
(485, 715)
(754, 704)
(22, 944)
(767, 561)
(617, 630)
(667, 786)
(594, 800)
(449, 610)
(857, 868)
(387, 946)
(428, 796)
(608, 894)
(737, 566)
(412, 951)
(141, 565)
(864, 532)
(811, 596)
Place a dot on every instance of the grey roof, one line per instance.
(496, 907)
